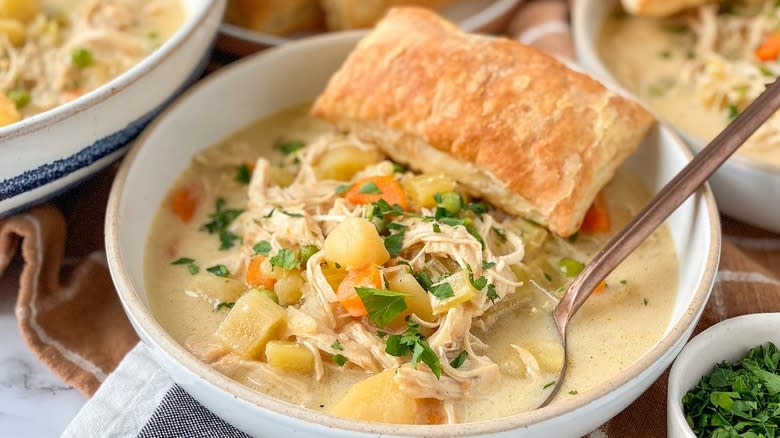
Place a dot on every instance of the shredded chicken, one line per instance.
(723, 67)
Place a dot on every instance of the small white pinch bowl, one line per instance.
(50, 152)
(290, 75)
(729, 341)
(746, 189)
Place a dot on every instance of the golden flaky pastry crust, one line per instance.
(506, 121)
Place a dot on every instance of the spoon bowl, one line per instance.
(674, 193)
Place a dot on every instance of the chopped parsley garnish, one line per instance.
(469, 224)
(224, 305)
(623, 282)
(451, 221)
(547, 277)
(573, 238)
(270, 213)
(285, 259)
(291, 213)
(305, 253)
(573, 392)
(219, 270)
(398, 168)
(765, 70)
(733, 112)
(394, 243)
(677, 28)
(500, 233)
(382, 305)
(262, 247)
(243, 174)
(81, 58)
(479, 208)
(190, 263)
(549, 385)
(411, 342)
(219, 221)
(183, 261)
(645, 301)
(370, 188)
(739, 399)
(20, 97)
(436, 228)
(666, 54)
(424, 279)
(488, 265)
(491, 293)
(227, 239)
(442, 290)
(380, 334)
(343, 188)
(336, 345)
(459, 359)
(289, 147)
(339, 359)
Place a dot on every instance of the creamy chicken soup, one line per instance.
(304, 264)
(701, 68)
(53, 51)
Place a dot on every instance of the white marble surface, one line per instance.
(33, 401)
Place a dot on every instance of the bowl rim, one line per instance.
(588, 54)
(675, 391)
(39, 121)
(152, 332)
(470, 23)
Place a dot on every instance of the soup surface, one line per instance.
(53, 51)
(700, 69)
(478, 285)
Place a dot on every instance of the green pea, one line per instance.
(81, 58)
(20, 97)
(570, 267)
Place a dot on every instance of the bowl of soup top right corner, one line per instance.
(697, 70)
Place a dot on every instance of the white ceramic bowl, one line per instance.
(729, 340)
(295, 73)
(488, 16)
(45, 154)
(746, 189)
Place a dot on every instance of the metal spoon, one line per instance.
(660, 207)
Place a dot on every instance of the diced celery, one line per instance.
(462, 290)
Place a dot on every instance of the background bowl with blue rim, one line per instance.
(50, 152)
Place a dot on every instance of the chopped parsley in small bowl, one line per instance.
(726, 381)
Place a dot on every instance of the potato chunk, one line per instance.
(549, 354)
(289, 356)
(22, 10)
(288, 288)
(253, 321)
(14, 30)
(218, 288)
(462, 291)
(355, 242)
(377, 399)
(344, 162)
(417, 300)
(421, 188)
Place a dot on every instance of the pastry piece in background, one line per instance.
(276, 17)
(508, 122)
(660, 8)
(358, 14)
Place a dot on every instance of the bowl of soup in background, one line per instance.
(294, 74)
(745, 188)
(47, 153)
(488, 16)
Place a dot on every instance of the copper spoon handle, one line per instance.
(661, 206)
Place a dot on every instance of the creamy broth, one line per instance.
(661, 62)
(54, 51)
(614, 329)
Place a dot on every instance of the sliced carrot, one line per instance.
(597, 217)
(255, 276)
(364, 276)
(374, 188)
(600, 288)
(769, 48)
(183, 203)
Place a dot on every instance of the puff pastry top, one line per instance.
(518, 127)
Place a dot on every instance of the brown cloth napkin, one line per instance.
(71, 318)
